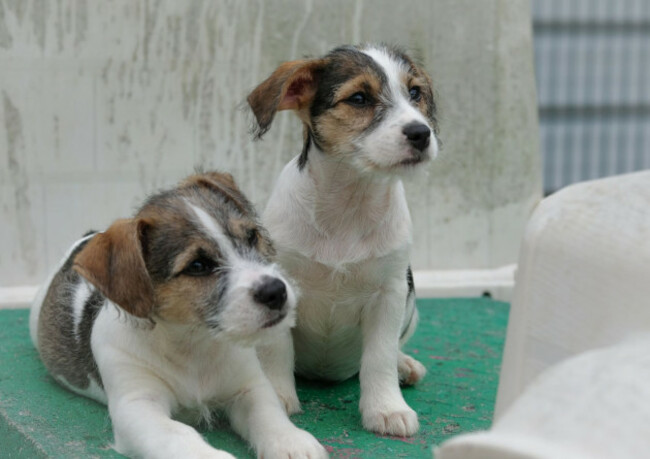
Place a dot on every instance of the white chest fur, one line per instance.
(327, 337)
(346, 252)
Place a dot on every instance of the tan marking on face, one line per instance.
(180, 299)
(420, 81)
(338, 129)
(365, 82)
(421, 78)
(241, 228)
(189, 254)
(339, 126)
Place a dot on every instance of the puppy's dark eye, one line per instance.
(200, 267)
(415, 94)
(251, 237)
(358, 98)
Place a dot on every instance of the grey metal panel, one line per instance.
(593, 78)
(592, 68)
(584, 148)
(582, 11)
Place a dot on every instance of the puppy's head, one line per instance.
(193, 255)
(370, 106)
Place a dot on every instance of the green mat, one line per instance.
(458, 340)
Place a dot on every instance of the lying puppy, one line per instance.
(339, 218)
(157, 316)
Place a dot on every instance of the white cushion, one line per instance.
(583, 283)
(583, 278)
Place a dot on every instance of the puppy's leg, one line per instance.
(410, 370)
(277, 359)
(257, 415)
(140, 409)
(382, 406)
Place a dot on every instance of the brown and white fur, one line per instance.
(158, 317)
(339, 218)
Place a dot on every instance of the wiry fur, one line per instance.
(158, 317)
(339, 218)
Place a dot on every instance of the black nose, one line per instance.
(418, 135)
(272, 293)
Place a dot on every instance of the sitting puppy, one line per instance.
(157, 316)
(339, 219)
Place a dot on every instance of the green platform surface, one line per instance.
(460, 342)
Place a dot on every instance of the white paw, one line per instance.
(400, 423)
(410, 370)
(295, 445)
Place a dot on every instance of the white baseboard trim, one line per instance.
(498, 283)
(17, 297)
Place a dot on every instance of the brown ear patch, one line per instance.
(221, 182)
(291, 86)
(113, 262)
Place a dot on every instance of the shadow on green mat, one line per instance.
(459, 341)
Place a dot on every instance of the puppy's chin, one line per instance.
(271, 332)
(399, 167)
(261, 333)
(390, 156)
(412, 162)
(248, 323)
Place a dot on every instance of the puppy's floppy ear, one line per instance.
(292, 86)
(113, 262)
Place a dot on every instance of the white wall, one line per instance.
(104, 102)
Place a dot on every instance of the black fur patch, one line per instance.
(409, 280)
(302, 160)
(410, 301)
(427, 92)
(63, 352)
(344, 63)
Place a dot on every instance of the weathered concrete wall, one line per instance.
(103, 102)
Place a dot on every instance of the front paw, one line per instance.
(296, 445)
(402, 422)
